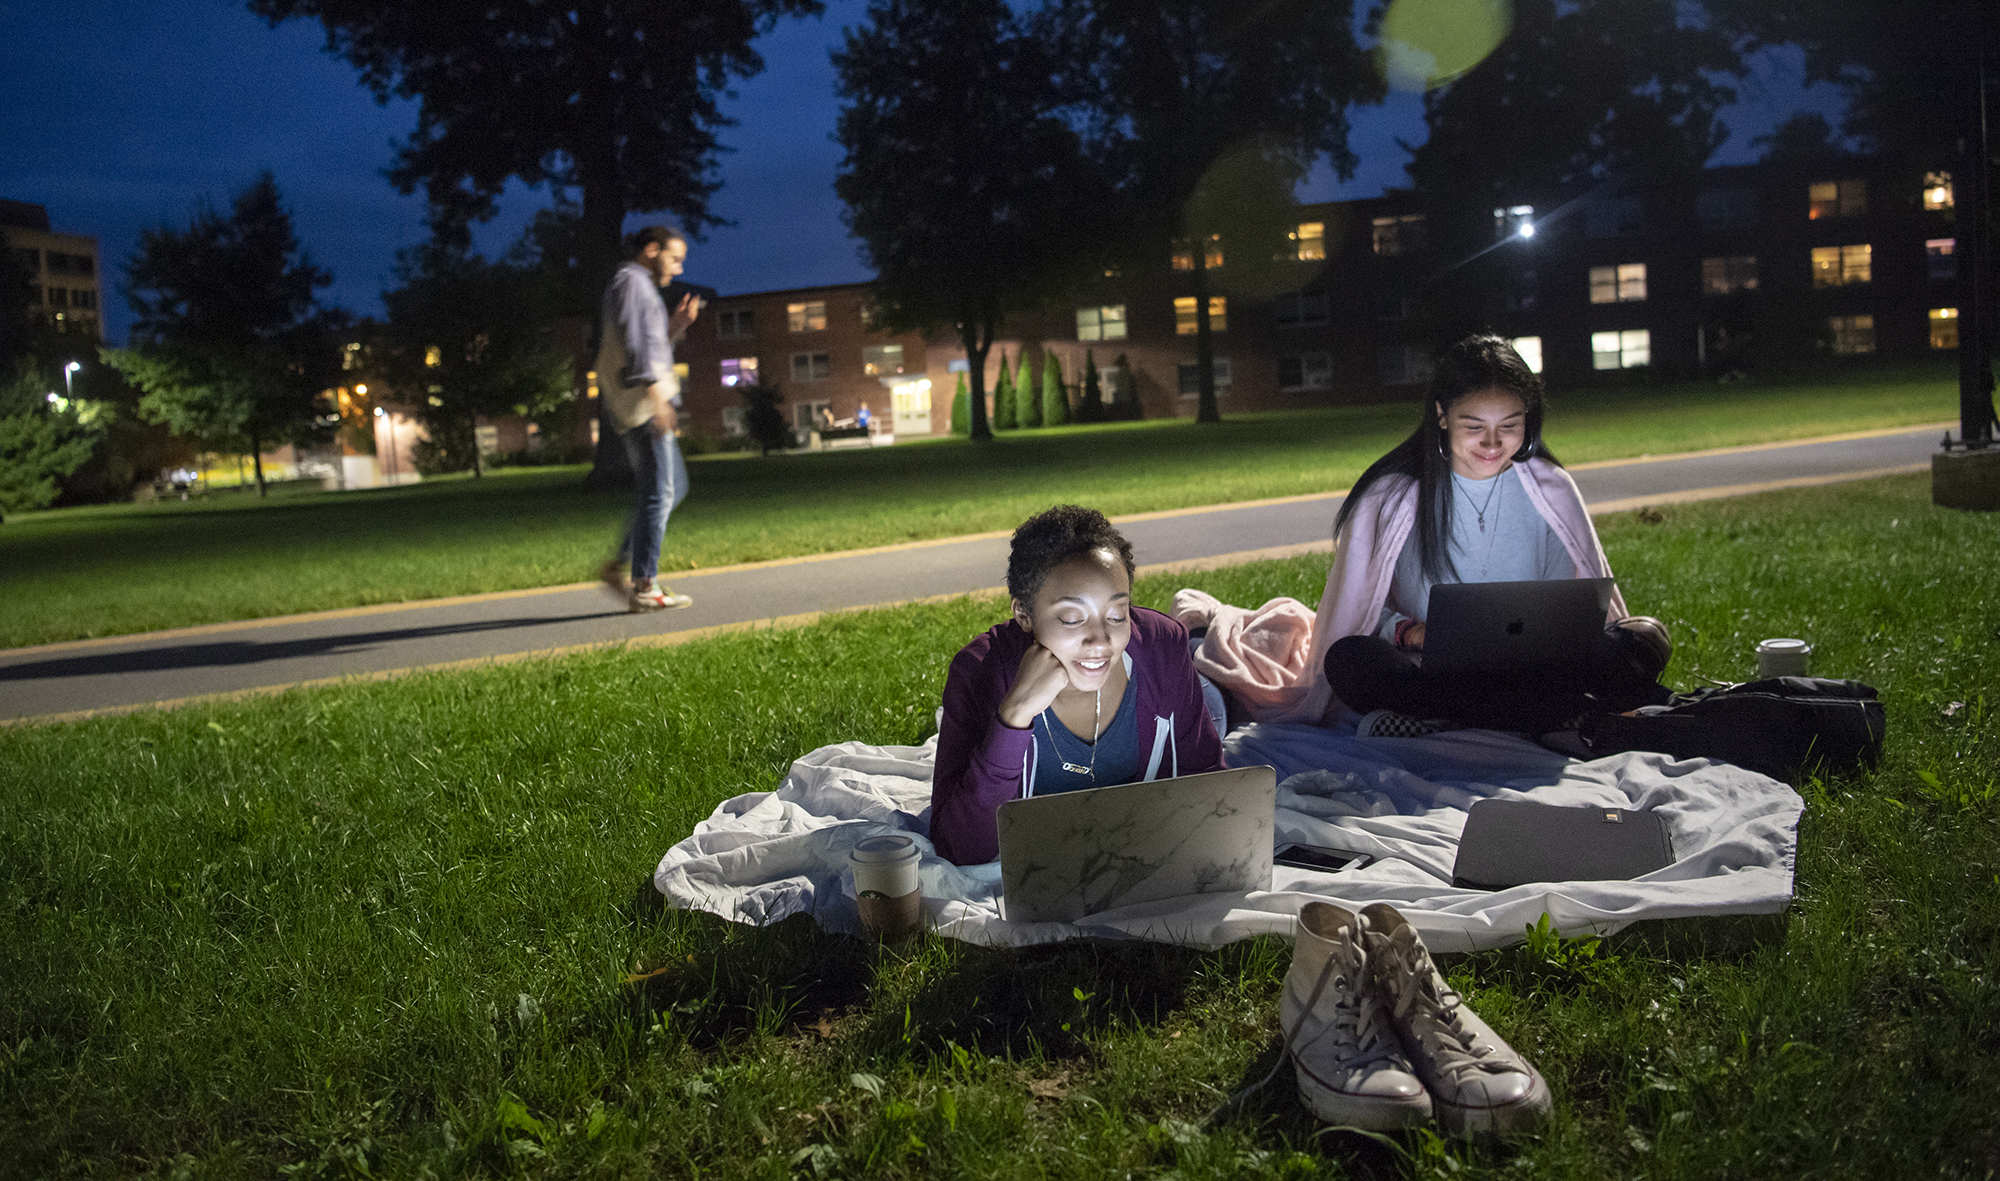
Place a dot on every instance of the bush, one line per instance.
(1055, 402)
(1003, 399)
(1027, 399)
(763, 418)
(961, 408)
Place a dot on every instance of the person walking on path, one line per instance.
(635, 377)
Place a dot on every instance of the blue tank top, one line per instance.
(1117, 750)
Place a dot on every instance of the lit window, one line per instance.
(811, 366)
(433, 356)
(1514, 221)
(739, 371)
(1184, 317)
(1101, 323)
(1852, 334)
(1304, 307)
(1937, 195)
(733, 423)
(1941, 258)
(1399, 235)
(734, 323)
(1944, 328)
(1184, 254)
(882, 360)
(1311, 240)
(1624, 283)
(1627, 349)
(1402, 364)
(1726, 276)
(806, 317)
(1530, 348)
(1308, 371)
(1839, 266)
(1190, 378)
(1828, 199)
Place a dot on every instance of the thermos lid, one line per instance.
(885, 850)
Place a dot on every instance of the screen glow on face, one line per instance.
(1485, 430)
(1083, 615)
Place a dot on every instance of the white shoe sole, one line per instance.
(1374, 1113)
(1523, 1115)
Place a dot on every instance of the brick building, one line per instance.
(64, 267)
(1739, 267)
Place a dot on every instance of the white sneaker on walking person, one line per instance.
(1351, 1069)
(1479, 1085)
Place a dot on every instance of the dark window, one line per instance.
(733, 323)
(58, 297)
(1311, 371)
(1403, 234)
(1305, 307)
(1724, 209)
(1941, 258)
(1726, 276)
(1390, 309)
(1523, 289)
(31, 260)
(84, 299)
(1613, 217)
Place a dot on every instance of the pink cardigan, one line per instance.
(1274, 658)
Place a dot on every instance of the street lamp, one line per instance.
(69, 373)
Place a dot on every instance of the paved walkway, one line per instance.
(61, 681)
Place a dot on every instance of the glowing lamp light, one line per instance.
(360, 389)
(378, 412)
(1527, 229)
(54, 398)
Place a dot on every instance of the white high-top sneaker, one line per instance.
(1350, 1067)
(1480, 1085)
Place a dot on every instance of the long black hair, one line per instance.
(1476, 363)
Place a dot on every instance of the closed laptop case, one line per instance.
(1515, 842)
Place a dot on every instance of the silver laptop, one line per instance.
(1486, 627)
(1084, 852)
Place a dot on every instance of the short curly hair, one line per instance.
(1054, 536)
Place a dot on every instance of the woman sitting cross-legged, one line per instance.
(1473, 495)
(1079, 689)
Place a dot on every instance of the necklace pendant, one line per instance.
(1482, 522)
(1075, 769)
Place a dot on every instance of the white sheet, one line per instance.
(765, 856)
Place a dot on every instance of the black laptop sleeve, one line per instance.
(1514, 842)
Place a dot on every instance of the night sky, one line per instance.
(116, 116)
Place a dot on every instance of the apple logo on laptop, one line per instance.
(1517, 627)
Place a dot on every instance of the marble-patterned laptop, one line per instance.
(1084, 852)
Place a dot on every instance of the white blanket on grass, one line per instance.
(766, 856)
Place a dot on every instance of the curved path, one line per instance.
(56, 682)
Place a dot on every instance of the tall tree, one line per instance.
(1922, 81)
(1579, 91)
(612, 102)
(970, 190)
(228, 344)
(1178, 86)
(469, 340)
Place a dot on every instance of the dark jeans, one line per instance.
(660, 478)
(1370, 673)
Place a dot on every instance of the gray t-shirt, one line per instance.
(1515, 545)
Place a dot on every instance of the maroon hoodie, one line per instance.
(982, 762)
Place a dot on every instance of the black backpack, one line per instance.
(1778, 727)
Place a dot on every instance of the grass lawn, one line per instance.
(384, 929)
(118, 569)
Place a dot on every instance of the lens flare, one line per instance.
(1429, 43)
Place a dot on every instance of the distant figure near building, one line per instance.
(862, 418)
(635, 367)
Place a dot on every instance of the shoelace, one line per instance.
(1367, 1016)
(1455, 1054)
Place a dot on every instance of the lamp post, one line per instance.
(69, 374)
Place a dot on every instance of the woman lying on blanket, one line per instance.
(1079, 689)
(1473, 495)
